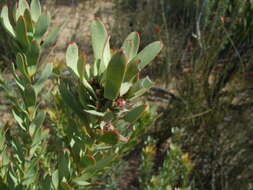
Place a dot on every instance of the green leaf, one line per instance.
(55, 179)
(94, 112)
(100, 164)
(33, 55)
(131, 45)
(106, 56)
(41, 26)
(29, 96)
(6, 22)
(110, 137)
(35, 9)
(87, 71)
(36, 139)
(139, 88)
(37, 122)
(18, 149)
(115, 75)
(81, 66)
(65, 186)
(82, 180)
(91, 170)
(51, 37)
(22, 6)
(21, 32)
(70, 100)
(2, 139)
(21, 65)
(44, 76)
(17, 79)
(87, 160)
(136, 113)
(29, 178)
(124, 88)
(74, 62)
(85, 98)
(64, 165)
(72, 58)
(29, 23)
(132, 70)
(107, 52)
(5, 158)
(148, 53)
(18, 119)
(98, 37)
(45, 182)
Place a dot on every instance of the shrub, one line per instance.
(95, 102)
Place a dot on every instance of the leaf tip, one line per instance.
(72, 43)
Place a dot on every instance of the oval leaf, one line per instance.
(110, 137)
(131, 45)
(132, 70)
(51, 37)
(149, 53)
(139, 88)
(21, 7)
(35, 9)
(98, 37)
(33, 53)
(87, 160)
(135, 114)
(72, 58)
(29, 96)
(41, 26)
(6, 22)
(115, 75)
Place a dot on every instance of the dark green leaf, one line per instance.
(29, 23)
(87, 160)
(135, 114)
(33, 55)
(110, 137)
(29, 96)
(64, 165)
(21, 32)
